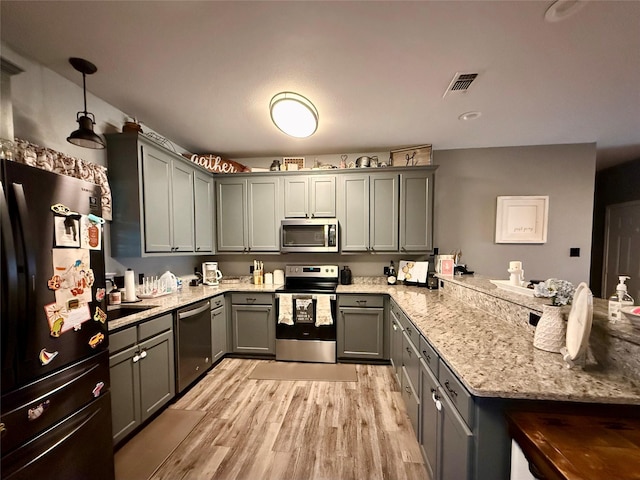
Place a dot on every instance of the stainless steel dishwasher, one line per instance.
(193, 342)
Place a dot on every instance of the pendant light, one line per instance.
(294, 114)
(85, 136)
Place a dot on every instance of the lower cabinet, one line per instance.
(253, 323)
(141, 365)
(361, 327)
(219, 346)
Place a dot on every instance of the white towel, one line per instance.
(285, 314)
(323, 310)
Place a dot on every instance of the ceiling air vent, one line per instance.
(460, 83)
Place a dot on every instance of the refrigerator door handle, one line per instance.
(10, 290)
(28, 249)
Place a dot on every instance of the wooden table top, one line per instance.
(579, 446)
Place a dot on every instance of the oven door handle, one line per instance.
(314, 296)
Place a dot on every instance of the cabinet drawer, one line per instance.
(252, 298)
(362, 301)
(461, 399)
(410, 329)
(155, 326)
(429, 355)
(122, 339)
(411, 361)
(217, 302)
(393, 306)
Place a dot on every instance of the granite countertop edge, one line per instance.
(489, 355)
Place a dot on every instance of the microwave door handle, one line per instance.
(11, 284)
(326, 235)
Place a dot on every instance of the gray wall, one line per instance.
(468, 183)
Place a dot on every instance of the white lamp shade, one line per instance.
(294, 114)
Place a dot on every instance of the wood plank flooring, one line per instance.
(295, 430)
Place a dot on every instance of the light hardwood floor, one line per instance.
(295, 430)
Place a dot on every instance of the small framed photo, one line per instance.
(522, 219)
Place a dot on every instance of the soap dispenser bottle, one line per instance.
(619, 299)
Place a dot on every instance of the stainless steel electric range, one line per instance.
(306, 314)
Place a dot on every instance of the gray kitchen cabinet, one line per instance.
(361, 327)
(310, 196)
(416, 211)
(368, 212)
(154, 199)
(141, 367)
(253, 324)
(204, 213)
(218, 328)
(249, 211)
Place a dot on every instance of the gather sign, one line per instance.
(215, 163)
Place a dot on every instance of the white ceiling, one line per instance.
(202, 73)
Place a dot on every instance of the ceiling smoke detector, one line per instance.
(460, 83)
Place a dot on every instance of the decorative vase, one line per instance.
(551, 331)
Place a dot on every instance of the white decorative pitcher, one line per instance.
(551, 331)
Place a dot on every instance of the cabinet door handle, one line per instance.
(408, 329)
(135, 358)
(395, 327)
(408, 352)
(407, 389)
(176, 249)
(449, 389)
(426, 355)
(197, 249)
(143, 354)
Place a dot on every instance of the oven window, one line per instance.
(303, 235)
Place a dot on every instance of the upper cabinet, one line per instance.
(160, 200)
(368, 211)
(249, 211)
(416, 211)
(310, 196)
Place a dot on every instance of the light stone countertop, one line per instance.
(491, 356)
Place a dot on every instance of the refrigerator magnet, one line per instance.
(90, 233)
(96, 340)
(97, 389)
(100, 294)
(46, 356)
(99, 315)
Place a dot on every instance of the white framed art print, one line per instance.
(522, 219)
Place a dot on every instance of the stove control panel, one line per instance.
(312, 271)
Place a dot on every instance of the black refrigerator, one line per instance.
(55, 401)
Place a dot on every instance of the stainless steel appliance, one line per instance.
(309, 235)
(309, 293)
(56, 403)
(193, 343)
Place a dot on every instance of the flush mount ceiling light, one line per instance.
(561, 9)
(469, 116)
(85, 136)
(294, 114)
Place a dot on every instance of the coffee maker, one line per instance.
(210, 273)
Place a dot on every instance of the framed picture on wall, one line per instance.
(522, 219)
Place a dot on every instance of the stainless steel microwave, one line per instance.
(309, 235)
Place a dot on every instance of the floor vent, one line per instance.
(460, 83)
